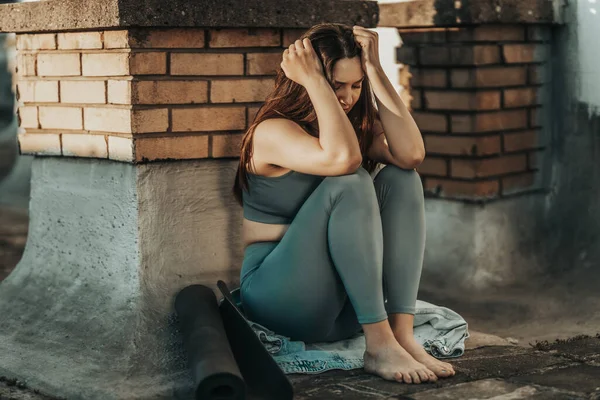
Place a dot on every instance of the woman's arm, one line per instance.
(283, 143)
(402, 138)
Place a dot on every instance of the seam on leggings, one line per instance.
(372, 320)
(402, 310)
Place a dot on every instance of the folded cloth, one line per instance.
(441, 331)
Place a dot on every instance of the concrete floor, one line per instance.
(513, 352)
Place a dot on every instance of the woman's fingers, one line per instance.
(307, 44)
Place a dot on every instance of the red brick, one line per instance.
(520, 141)
(433, 56)
(488, 77)
(406, 55)
(207, 64)
(150, 120)
(520, 97)
(148, 63)
(454, 100)
(462, 146)
(209, 119)
(488, 167)
(291, 35)
(488, 33)
(169, 92)
(433, 166)
(524, 53)
(226, 145)
(172, 38)
(235, 91)
(429, 78)
(423, 35)
(511, 184)
(244, 37)
(430, 122)
(173, 148)
(263, 63)
(453, 188)
(460, 55)
(485, 55)
(489, 122)
(251, 111)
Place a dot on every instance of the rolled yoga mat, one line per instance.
(215, 372)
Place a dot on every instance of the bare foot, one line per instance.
(440, 368)
(395, 364)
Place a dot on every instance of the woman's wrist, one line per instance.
(374, 71)
(315, 83)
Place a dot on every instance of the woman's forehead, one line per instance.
(348, 70)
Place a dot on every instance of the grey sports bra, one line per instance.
(276, 200)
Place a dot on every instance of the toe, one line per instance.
(415, 377)
(423, 375)
(407, 377)
(432, 377)
(398, 376)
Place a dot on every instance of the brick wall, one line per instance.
(143, 95)
(476, 94)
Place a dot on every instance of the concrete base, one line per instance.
(86, 313)
(481, 246)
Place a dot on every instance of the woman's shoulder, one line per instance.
(273, 128)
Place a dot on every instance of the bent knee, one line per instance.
(406, 178)
(360, 181)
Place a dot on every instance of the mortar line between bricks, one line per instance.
(478, 179)
(485, 157)
(488, 200)
(479, 134)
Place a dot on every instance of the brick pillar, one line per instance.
(476, 93)
(145, 94)
(135, 113)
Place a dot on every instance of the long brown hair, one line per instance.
(290, 100)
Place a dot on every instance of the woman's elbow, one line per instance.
(351, 163)
(412, 160)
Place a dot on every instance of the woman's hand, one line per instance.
(301, 64)
(369, 42)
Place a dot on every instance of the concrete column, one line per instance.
(135, 114)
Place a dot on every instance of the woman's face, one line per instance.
(347, 81)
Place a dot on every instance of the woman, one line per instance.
(324, 241)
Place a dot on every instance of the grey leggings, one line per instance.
(353, 239)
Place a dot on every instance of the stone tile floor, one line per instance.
(490, 369)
